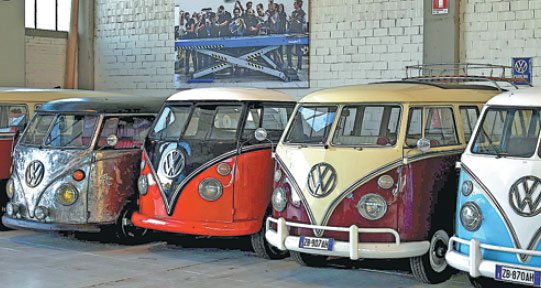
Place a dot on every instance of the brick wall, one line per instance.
(45, 61)
(134, 46)
(495, 31)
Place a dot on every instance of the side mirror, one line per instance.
(260, 134)
(423, 145)
(112, 140)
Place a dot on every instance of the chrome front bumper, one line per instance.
(352, 249)
(474, 263)
(15, 223)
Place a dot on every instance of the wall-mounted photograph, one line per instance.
(262, 43)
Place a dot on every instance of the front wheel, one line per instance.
(309, 259)
(124, 230)
(432, 268)
(263, 249)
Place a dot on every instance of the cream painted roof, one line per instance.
(529, 97)
(23, 95)
(399, 92)
(234, 94)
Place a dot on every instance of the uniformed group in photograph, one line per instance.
(440, 169)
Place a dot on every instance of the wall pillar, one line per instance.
(85, 70)
(441, 34)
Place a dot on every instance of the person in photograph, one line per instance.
(252, 25)
(190, 34)
(296, 22)
(222, 24)
(237, 26)
(203, 31)
(262, 19)
(282, 27)
(274, 28)
(238, 4)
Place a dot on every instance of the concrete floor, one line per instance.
(30, 259)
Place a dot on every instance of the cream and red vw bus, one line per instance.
(16, 107)
(368, 172)
(498, 219)
(204, 172)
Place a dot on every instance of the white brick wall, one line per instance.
(360, 41)
(45, 61)
(495, 31)
(134, 46)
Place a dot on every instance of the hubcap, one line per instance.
(438, 248)
(128, 229)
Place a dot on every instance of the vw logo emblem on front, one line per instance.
(173, 164)
(321, 180)
(34, 173)
(525, 196)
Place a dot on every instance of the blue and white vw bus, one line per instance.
(498, 219)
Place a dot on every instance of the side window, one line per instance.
(12, 118)
(273, 119)
(131, 131)
(440, 126)
(469, 117)
(415, 127)
(226, 122)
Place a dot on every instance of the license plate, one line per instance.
(316, 243)
(517, 275)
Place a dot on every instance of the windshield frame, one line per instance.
(500, 154)
(370, 104)
(193, 105)
(51, 125)
(292, 119)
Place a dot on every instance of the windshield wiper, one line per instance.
(498, 153)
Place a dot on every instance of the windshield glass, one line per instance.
(311, 125)
(12, 118)
(38, 129)
(508, 132)
(367, 125)
(203, 122)
(72, 131)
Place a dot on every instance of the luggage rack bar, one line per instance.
(463, 72)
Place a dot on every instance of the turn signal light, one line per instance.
(78, 175)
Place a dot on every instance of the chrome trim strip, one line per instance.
(535, 240)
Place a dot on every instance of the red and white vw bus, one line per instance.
(203, 172)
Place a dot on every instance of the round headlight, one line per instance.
(142, 184)
(279, 199)
(210, 189)
(372, 206)
(467, 188)
(470, 216)
(67, 194)
(40, 212)
(277, 175)
(385, 182)
(10, 188)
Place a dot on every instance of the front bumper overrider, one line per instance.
(352, 249)
(475, 265)
(15, 223)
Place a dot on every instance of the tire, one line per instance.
(3, 202)
(263, 249)
(125, 232)
(309, 259)
(432, 268)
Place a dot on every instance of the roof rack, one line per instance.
(464, 72)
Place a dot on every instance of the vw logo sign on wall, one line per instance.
(321, 180)
(525, 196)
(174, 163)
(34, 173)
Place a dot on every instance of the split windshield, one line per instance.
(203, 122)
(64, 130)
(358, 125)
(508, 132)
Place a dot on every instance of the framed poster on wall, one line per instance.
(262, 44)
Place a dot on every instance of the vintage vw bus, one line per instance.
(498, 219)
(76, 165)
(16, 104)
(368, 172)
(203, 172)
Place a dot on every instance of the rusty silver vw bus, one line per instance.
(76, 166)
